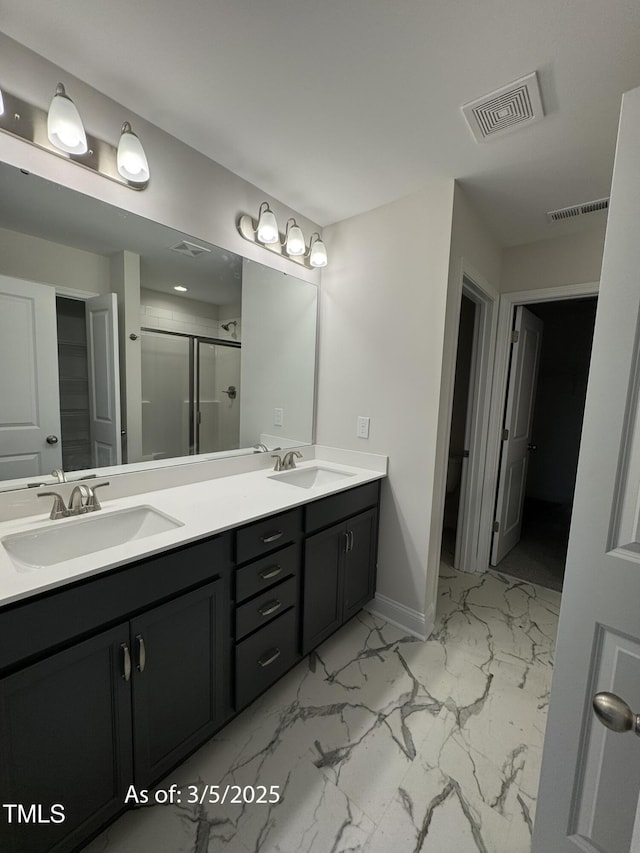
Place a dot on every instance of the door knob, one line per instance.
(52, 439)
(532, 446)
(614, 713)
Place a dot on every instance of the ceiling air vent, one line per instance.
(505, 109)
(577, 210)
(191, 250)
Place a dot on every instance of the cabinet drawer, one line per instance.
(265, 572)
(267, 535)
(337, 507)
(265, 607)
(262, 658)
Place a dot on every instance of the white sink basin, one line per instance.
(66, 540)
(307, 478)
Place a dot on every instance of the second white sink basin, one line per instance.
(66, 540)
(307, 478)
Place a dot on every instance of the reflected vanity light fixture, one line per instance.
(264, 232)
(60, 131)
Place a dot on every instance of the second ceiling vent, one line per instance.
(505, 109)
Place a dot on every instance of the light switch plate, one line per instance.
(362, 430)
(278, 417)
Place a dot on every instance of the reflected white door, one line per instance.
(104, 380)
(590, 780)
(30, 443)
(514, 458)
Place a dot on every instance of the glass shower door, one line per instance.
(218, 397)
(167, 401)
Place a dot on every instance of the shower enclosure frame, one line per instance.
(195, 418)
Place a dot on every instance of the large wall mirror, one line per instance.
(124, 342)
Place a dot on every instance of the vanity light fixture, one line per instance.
(60, 131)
(132, 161)
(267, 230)
(264, 232)
(64, 125)
(294, 239)
(180, 287)
(317, 252)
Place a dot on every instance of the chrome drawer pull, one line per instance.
(271, 607)
(272, 537)
(346, 542)
(266, 661)
(127, 662)
(272, 572)
(142, 653)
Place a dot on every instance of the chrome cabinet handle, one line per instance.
(271, 572)
(126, 674)
(614, 713)
(272, 537)
(142, 653)
(346, 541)
(350, 532)
(271, 607)
(275, 654)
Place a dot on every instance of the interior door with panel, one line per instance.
(104, 380)
(590, 781)
(514, 457)
(30, 412)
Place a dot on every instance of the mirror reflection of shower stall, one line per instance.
(190, 395)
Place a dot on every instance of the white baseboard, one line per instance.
(412, 621)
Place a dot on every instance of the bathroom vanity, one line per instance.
(112, 670)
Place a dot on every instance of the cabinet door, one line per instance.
(179, 679)
(65, 738)
(322, 606)
(359, 562)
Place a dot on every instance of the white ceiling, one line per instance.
(338, 106)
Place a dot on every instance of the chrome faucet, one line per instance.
(59, 474)
(278, 464)
(260, 448)
(289, 461)
(83, 499)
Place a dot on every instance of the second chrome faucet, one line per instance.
(83, 499)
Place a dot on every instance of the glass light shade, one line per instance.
(131, 159)
(295, 241)
(64, 125)
(267, 227)
(318, 254)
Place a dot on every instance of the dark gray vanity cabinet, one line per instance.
(65, 741)
(119, 707)
(339, 561)
(267, 597)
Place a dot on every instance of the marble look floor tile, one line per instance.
(379, 742)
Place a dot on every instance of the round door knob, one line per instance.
(532, 446)
(614, 713)
(52, 439)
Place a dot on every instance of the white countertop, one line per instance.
(204, 508)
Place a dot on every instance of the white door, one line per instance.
(104, 380)
(514, 457)
(30, 443)
(590, 778)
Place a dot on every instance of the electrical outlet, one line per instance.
(278, 417)
(362, 429)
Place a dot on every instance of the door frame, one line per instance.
(478, 411)
(506, 307)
